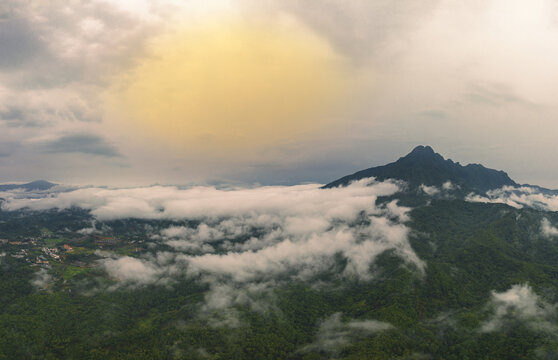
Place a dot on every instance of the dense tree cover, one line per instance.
(469, 250)
(424, 166)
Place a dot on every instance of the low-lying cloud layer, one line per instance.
(241, 238)
(41, 279)
(518, 197)
(168, 202)
(521, 303)
(334, 334)
(442, 190)
(547, 229)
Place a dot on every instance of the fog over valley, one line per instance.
(278, 179)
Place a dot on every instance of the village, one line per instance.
(68, 254)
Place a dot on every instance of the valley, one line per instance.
(391, 271)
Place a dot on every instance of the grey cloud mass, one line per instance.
(26, 116)
(37, 109)
(12, 113)
(19, 43)
(8, 148)
(359, 29)
(55, 44)
(81, 143)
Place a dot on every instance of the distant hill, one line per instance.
(424, 166)
(34, 185)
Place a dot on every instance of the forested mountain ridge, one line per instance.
(30, 186)
(423, 166)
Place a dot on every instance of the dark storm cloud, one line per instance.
(81, 143)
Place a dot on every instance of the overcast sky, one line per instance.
(131, 92)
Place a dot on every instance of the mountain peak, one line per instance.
(30, 186)
(421, 149)
(424, 166)
(422, 153)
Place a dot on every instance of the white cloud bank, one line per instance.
(159, 268)
(434, 190)
(42, 279)
(242, 238)
(168, 202)
(334, 334)
(547, 230)
(521, 303)
(429, 190)
(518, 197)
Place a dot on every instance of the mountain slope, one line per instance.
(424, 166)
(488, 288)
(34, 185)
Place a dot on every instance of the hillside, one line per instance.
(424, 166)
(30, 186)
(284, 273)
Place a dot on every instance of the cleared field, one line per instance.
(54, 241)
(70, 271)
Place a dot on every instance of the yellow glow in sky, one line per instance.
(232, 86)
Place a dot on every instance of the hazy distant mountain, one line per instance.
(34, 185)
(424, 166)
